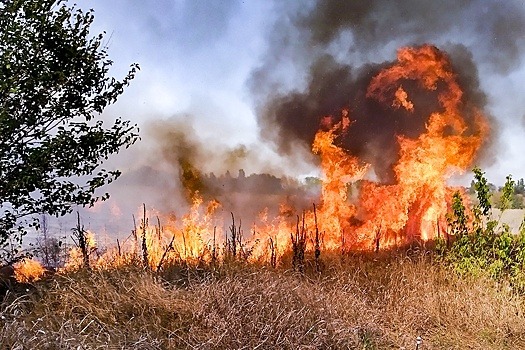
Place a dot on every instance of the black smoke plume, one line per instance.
(339, 46)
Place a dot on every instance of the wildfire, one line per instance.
(413, 207)
(28, 270)
(75, 256)
(339, 170)
(416, 205)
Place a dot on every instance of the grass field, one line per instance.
(359, 302)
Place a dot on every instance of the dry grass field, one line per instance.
(363, 302)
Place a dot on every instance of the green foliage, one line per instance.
(510, 196)
(312, 182)
(482, 192)
(517, 202)
(53, 82)
(507, 194)
(482, 249)
(458, 219)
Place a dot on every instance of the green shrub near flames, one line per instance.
(482, 244)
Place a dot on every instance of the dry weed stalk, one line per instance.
(169, 248)
(232, 243)
(317, 244)
(80, 240)
(214, 248)
(144, 226)
(273, 253)
(299, 246)
(377, 239)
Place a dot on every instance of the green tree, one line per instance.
(517, 201)
(458, 219)
(519, 188)
(53, 83)
(507, 194)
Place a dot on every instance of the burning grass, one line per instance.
(28, 270)
(196, 283)
(361, 302)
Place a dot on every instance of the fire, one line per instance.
(28, 270)
(401, 100)
(339, 170)
(75, 257)
(416, 205)
(154, 245)
(378, 216)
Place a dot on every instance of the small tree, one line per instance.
(507, 195)
(53, 82)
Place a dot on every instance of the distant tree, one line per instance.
(49, 249)
(519, 188)
(472, 188)
(517, 202)
(53, 83)
(311, 181)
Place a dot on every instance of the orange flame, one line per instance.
(379, 216)
(28, 270)
(416, 205)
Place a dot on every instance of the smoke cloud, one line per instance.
(207, 168)
(337, 48)
(496, 26)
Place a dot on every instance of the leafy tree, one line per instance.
(507, 195)
(485, 247)
(458, 219)
(483, 194)
(53, 83)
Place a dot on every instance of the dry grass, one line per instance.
(358, 304)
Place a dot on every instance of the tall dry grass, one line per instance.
(360, 303)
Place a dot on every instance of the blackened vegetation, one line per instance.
(144, 226)
(235, 235)
(273, 252)
(235, 248)
(10, 288)
(299, 246)
(317, 243)
(299, 241)
(79, 236)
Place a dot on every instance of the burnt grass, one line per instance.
(355, 301)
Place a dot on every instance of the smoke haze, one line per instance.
(340, 46)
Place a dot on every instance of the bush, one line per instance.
(479, 246)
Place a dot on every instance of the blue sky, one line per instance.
(197, 58)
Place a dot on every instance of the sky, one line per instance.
(195, 58)
(214, 70)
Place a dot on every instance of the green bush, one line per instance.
(481, 246)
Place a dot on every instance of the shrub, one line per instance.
(483, 247)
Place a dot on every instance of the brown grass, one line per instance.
(357, 304)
